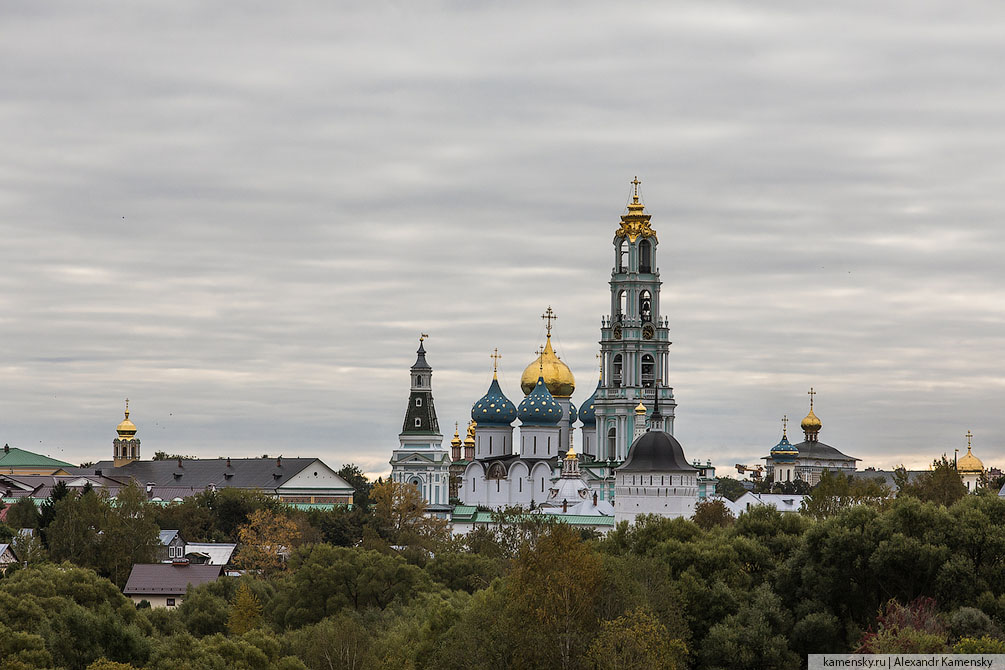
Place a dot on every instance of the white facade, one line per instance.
(669, 494)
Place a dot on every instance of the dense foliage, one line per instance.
(385, 587)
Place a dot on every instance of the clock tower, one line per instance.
(634, 339)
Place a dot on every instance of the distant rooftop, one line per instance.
(12, 457)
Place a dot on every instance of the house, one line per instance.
(14, 461)
(210, 553)
(7, 557)
(165, 584)
(780, 501)
(172, 546)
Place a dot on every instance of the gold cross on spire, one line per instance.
(549, 316)
(635, 195)
(811, 393)
(970, 436)
(495, 356)
(785, 424)
(540, 358)
(127, 408)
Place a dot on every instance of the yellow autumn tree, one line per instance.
(266, 540)
(245, 611)
(400, 513)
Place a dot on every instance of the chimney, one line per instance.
(279, 461)
(179, 462)
(150, 488)
(6, 448)
(594, 498)
(228, 461)
(565, 505)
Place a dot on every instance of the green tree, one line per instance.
(245, 611)
(337, 643)
(709, 514)
(837, 490)
(730, 488)
(941, 484)
(554, 586)
(756, 637)
(128, 534)
(359, 482)
(22, 651)
(636, 640)
(23, 514)
(399, 517)
(74, 533)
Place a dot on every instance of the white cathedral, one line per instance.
(629, 464)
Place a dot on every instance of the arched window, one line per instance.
(418, 402)
(645, 256)
(648, 371)
(617, 377)
(418, 380)
(645, 306)
(622, 306)
(623, 256)
(612, 444)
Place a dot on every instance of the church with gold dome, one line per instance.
(516, 449)
(809, 459)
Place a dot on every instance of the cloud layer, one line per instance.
(241, 216)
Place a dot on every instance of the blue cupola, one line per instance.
(573, 414)
(494, 408)
(539, 408)
(587, 412)
(784, 451)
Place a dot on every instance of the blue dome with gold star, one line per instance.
(494, 408)
(573, 414)
(587, 411)
(784, 451)
(539, 408)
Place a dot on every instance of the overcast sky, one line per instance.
(241, 216)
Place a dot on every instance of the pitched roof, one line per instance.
(219, 553)
(168, 535)
(168, 579)
(12, 457)
(197, 474)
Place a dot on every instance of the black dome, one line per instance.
(656, 451)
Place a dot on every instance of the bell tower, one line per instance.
(125, 447)
(634, 339)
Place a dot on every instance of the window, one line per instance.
(520, 484)
(418, 402)
(623, 256)
(418, 423)
(646, 306)
(622, 305)
(612, 444)
(418, 380)
(170, 602)
(617, 376)
(648, 371)
(645, 256)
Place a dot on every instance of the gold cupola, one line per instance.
(557, 375)
(126, 428)
(640, 409)
(811, 424)
(969, 463)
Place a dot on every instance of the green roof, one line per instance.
(582, 519)
(19, 458)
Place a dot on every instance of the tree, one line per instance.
(709, 514)
(128, 534)
(554, 586)
(29, 549)
(730, 488)
(73, 534)
(23, 514)
(359, 482)
(245, 611)
(339, 643)
(754, 638)
(915, 628)
(400, 517)
(837, 490)
(942, 484)
(266, 540)
(636, 640)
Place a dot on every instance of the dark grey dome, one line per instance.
(656, 451)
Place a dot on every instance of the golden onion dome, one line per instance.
(126, 429)
(456, 442)
(812, 423)
(469, 441)
(969, 463)
(557, 375)
(640, 408)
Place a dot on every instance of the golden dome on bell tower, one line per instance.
(811, 424)
(556, 374)
(126, 428)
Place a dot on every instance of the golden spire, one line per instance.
(495, 356)
(456, 442)
(571, 454)
(635, 223)
(811, 424)
(785, 424)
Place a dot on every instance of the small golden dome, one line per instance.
(456, 442)
(469, 441)
(969, 463)
(126, 429)
(812, 423)
(640, 408)
(557, 375)
(571, 454)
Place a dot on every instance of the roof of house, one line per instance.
(168, 535)
(168, 579)
(218, 553)
(4, 548)
(198, 474)
(12, 457)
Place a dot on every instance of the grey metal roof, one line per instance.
(656, 451)
(167, 579)
(198, 474)
(219, 553)
(821, 451)
(167, 536)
